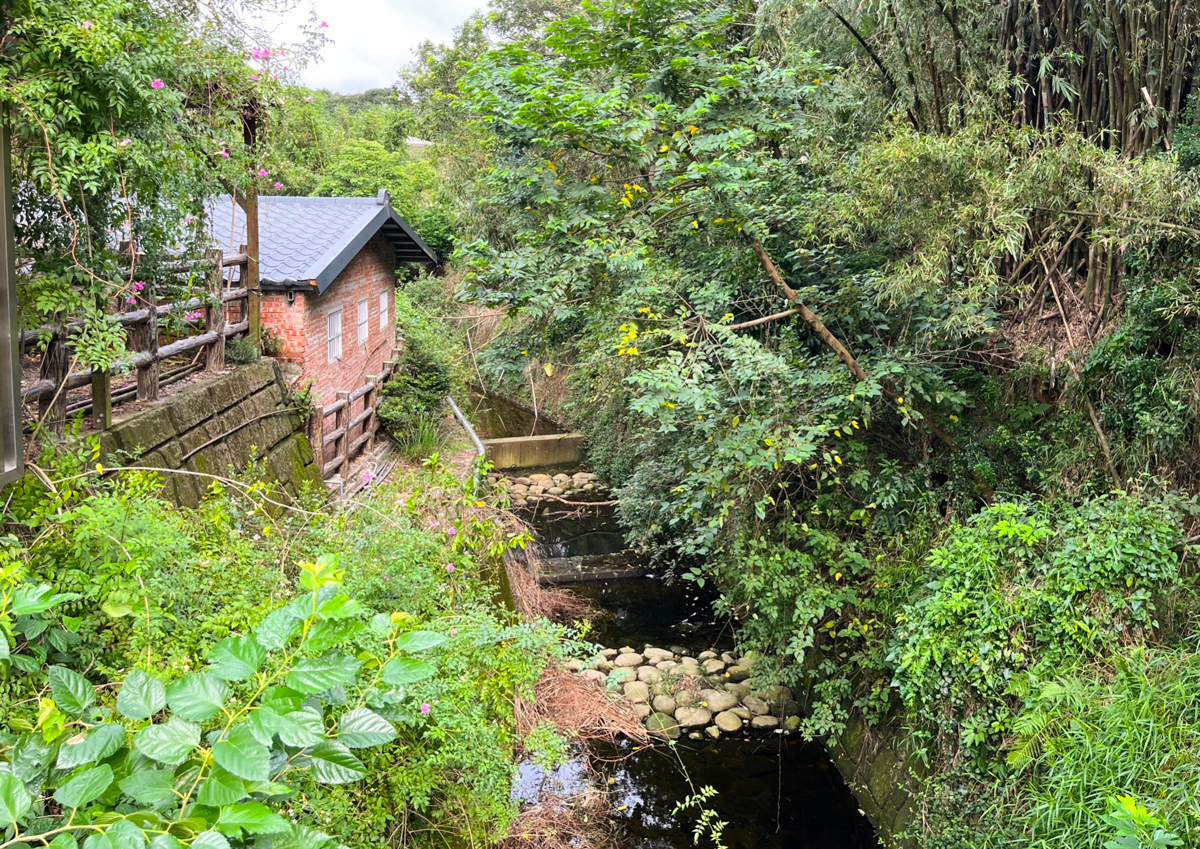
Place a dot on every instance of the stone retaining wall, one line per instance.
(216, 425)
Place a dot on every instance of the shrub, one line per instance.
(241, 351)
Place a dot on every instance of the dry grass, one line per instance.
(579, 708)
(556, 822)
(533, 601)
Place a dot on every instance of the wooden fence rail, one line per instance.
(345, 444)
(56, 378)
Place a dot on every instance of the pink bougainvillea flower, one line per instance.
(453, 631)
(451, 531)
(425, 708)
(262, 172)
(308, 99)
(131, 300)
(223, 152)
(139, 286)
(449, 567)
(157, 84)
(125, 142)
(188, 220)
(254, 77)
(285, 67)
(86, 24)
(368, 477)
(279, 185)
(324, 25)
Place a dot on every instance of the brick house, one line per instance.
(327, 268)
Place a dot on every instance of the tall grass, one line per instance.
(1134, 729)
(423, 439)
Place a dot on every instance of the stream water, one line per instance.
(774, 791)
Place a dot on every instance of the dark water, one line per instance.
(495, 418)
(774, 792)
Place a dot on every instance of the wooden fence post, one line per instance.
(144, 337)
(52, 409)
(371, 400)
(343, 424)
(214, 314)
(316, 436)
(102, 398)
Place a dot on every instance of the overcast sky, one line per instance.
(373, 39)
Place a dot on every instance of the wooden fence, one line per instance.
(57, 379)
(341, 440)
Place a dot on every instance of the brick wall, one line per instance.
(288, 321)
(368, 275)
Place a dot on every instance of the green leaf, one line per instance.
(141, 696)
(166, 841)
(333, 763)
(15, 800)
(169, 742)
(318, 674)
(405, 670)
(243, 756)
(302, 837)
(149, 786)
(252, 817)
(93, 745)
(339, 607)
(221, 788)
(298, 728)
(416, 641)
(71, 691)
(277, 629)
(123, 834)
(236, 658)
(326, 635)
(66, 840)
(84, 788)
(198, 696)
(29, 600)
(362, 728)
(210, 840)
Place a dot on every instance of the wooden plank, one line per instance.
(235, 329)
(335, 407)
(235, 294)
(372, 401)
(316, 430)
(362, 417)
(331, 467)
(360, 392)
(214, 314)
(102, 398)
(235, 259)
(332, 437)
(359, 443)
(343, 424)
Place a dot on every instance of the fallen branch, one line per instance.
(766, 318)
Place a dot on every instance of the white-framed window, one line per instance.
(364, 309)
(383, 311)
(333, 330)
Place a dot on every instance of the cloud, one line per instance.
(374, 39)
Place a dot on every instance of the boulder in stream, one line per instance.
(756, 705)
(718, 701)
(764, 722)
(737, 673)
(665, 704)
(729, 722)
(637, 692)
(662, 725)
(632, 659)
(693, 717)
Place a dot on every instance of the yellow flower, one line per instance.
(696, 224)
(664, 149)
(838, 576)
(550, 165)
(837, 433)
(693, 130)
(525, 353)
(954, 418)
(837, 459)
(727, 317)
(643, 309)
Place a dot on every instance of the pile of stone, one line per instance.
(527, 491)
(674, 693)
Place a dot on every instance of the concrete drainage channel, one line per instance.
(773, 789)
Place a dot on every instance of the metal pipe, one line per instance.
(479, 449)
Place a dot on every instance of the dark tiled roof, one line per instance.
(306, 239)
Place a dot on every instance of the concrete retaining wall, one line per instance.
(881, 771)
(531, 452)
(214, 426)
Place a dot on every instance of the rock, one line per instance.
(555, 490)
(587, 487)
(523, 481)
(573, 665)
(695, 735)
(764, 722)
(737, 673)
(748, 659)
(662, 725)
(560, 478)
(693, 717)
(665, 704)
(713, 732)
(712, 666)
(610, 653)
(539, 478)
(756, 705)
(648, 674)
(654, 655)
(706, 655)
(718, 701)
(604, 666)
(729, 722)
(678, 650)
(739, 690)
(536, 489)
(629, 659)
(690, 666)
(642, 711)
(776, 693)
(790, 708)
(741, 712)
(623, 675)
(728, 659)
(792, 724)
(594, 675)
(666, 664)
(638, 692)
(521, 502)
